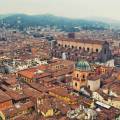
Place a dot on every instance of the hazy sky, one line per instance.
(68, 8)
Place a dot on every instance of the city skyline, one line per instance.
(66, 8)
(59, 60)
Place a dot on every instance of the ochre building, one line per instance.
(87, 45)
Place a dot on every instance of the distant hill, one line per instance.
(4, 16)
(62, 23)
(114, 24)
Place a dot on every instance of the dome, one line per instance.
(83, 65)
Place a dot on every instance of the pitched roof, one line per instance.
(4, 97)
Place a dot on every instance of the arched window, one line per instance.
(79, 48)
(83, 76)
(77, 75)
(105, 51)
(65, 46)
(89, 74)
(76, 84)
(88, 49)
(89, 86)
(97, 50)
(72, 46)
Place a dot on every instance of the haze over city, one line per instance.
(68, 8)
(59, 60)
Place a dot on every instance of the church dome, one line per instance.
(83, 65)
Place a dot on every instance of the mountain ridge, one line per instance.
(64, 23)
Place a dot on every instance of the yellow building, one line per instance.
(87, 45)
(82, 71)
(47, 113)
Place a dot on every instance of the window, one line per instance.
(72, 46)
(76, 84)
(105, 51)
(83, 76)
(89, 86)
(77, 75)
(79, 48)
(65, 46)
(88, 49)
(89, 74)
(96, 50)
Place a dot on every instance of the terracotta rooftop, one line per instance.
(29, 73)
(33, 73)
(60, 91)
(115, 87)
(108, 113)
(38, 87)
(21, 107)
(15, 95)
(82, 40)
(11, 80)
(4, 97)
(31, 92)
(93, 77)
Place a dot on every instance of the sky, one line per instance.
(67, 8)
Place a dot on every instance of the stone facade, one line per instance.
(75, 50)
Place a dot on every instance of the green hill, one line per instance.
(62, 23)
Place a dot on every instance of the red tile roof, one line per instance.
(4, 97)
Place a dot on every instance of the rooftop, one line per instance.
(89, 41)
(4, 97)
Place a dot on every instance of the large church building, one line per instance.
(100, 49)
